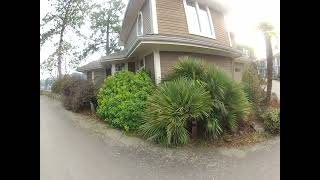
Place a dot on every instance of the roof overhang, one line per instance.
(144, 45)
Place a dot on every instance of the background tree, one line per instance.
(69, 57)
(268, 31)
(105, 26)
(67, 15)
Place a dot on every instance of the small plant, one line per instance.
(121, 100)
(77, 93)
(271, 119)
(171, 108)
(253, 85)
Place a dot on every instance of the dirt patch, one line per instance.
(244, 136)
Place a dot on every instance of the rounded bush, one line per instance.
(57, 84)
(271, 119)
(171, 108)
(77, 93)
(121, 99)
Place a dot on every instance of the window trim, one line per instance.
(213, 34)
(140, 15)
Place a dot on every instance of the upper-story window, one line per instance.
(140, 24)
(199, 19)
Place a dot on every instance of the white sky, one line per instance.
(242, 19)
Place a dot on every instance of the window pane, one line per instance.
(140, 30)
(204, 21)
(193, 23)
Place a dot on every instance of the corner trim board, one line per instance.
(157, 66)
(154, 17)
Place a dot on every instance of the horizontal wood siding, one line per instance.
(147, 18)
(169, 59)
(147, 24)
(172, 21)
(132, 35)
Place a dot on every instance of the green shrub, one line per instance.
(121, 100)
(229, 103)
(253, 85)
(77, 93)
(171, 108)
(271, 120)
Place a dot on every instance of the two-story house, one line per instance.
(155, 33)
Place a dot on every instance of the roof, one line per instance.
(90, 66)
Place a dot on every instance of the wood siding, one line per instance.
(172, 21)
(147, 24)
(147, 18)
(169, 59)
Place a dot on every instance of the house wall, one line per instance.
(172, 20)
(239, 68)
(169, 59)
(147, 24)
(149, 64)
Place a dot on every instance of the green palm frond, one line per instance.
(171, 107)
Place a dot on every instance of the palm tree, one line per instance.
(268, 31)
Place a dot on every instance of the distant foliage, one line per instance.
(77, 93)
(121, 100)
(171, 108)
(57, 84)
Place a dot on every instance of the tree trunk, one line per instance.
(107, 40)
(269, 67)
(60, 52)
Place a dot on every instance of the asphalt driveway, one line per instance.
(68, 152)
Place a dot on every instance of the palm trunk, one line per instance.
(269, 67)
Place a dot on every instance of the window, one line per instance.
(119, 67)
(140, 24)
(191, 12)
(199, 19)
(237, 70)
(141, 64)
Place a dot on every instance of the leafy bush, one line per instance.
(253, 85)
(171, 108)
(77, 93)
(271, 119)
(57, 84)
(121, 100)
(229, 101)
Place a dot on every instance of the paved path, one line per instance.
(68, 152)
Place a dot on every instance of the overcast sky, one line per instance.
(242, 19)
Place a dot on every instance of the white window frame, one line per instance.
(213, 35)
(140, 15)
